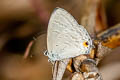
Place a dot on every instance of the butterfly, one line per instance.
(66, 38)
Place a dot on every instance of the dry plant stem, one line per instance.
(69, 66)
(77, 76)
(87, 71)
(77, 62)
(89, 18)
(102, 51)
(111, 37)
(108, 40)
(90, 70)
(59, 69)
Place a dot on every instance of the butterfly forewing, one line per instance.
(65, 36)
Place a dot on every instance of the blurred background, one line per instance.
(23, 20)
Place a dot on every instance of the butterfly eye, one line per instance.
(85, 44)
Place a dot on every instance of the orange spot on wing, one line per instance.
(85, 44)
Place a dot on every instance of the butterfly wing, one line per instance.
(65, 36)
